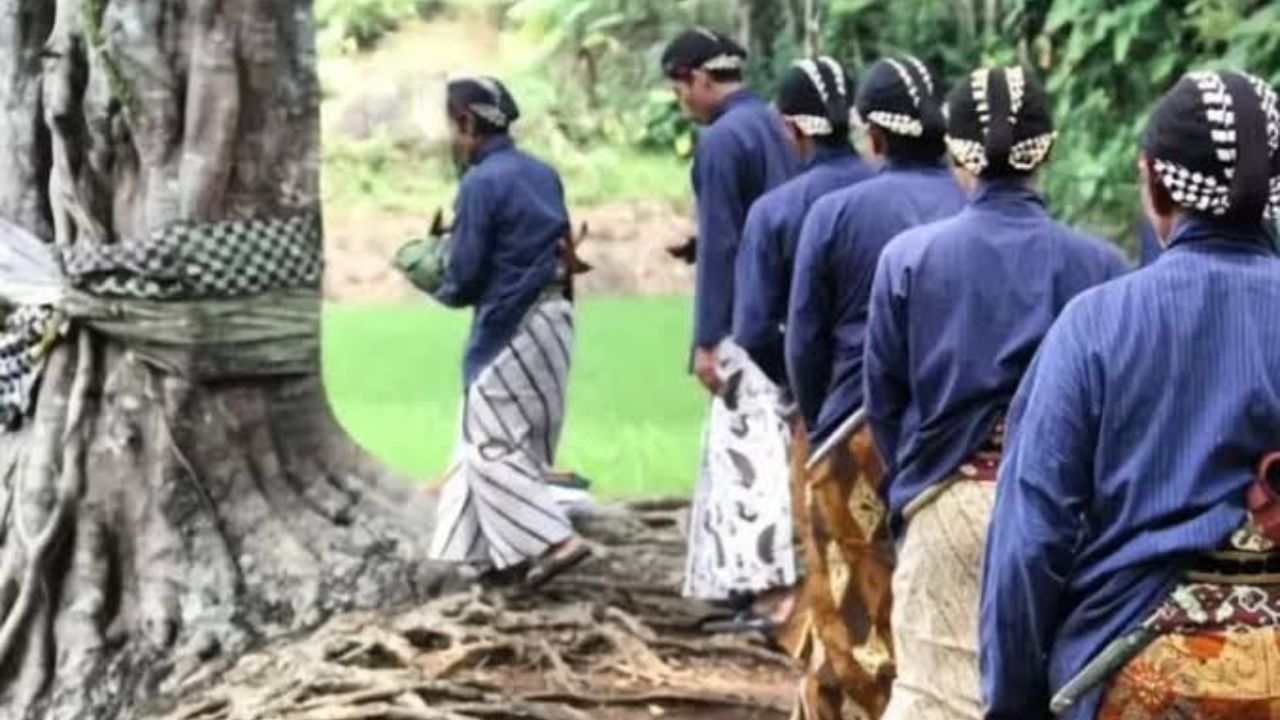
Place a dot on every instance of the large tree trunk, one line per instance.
(157, 519)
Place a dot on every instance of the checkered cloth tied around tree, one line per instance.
(840, 628)
(234, 258)
(27, 334)
(183, 261)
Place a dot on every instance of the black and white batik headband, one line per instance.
(901, 123)
(1210, 192)
(491, 112)
(819, 125)
(1025, 155)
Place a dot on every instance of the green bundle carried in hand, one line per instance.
(423, 260)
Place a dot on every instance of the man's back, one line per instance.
(840, 246)
(963, 306)
(1172, 396)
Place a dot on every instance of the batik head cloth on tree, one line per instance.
(815, 95)
(899, 96)
(998, 123)
(1214, 144)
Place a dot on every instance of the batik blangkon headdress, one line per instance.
(484, 98)
(998, 123)
(702, 49)
(1213, 142)
(815, 95)
(898, 95)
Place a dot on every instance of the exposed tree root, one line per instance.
(590, 646)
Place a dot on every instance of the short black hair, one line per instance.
(930, 148)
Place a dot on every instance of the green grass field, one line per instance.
(393, 376)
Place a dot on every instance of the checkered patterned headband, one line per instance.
(815, 96)
(898, 96)
(702, 49)
(484, 98)
(999, 123)
(1214, 143)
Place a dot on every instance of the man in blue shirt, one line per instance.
(1149, 248)
(1131, 444)
(836, 259)
(846, 231)
(815, 100)
(504, 261)
(740, 534)
(958, 309)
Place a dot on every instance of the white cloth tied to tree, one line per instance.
(207, 300)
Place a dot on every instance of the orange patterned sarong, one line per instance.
(840, 629)
(1218, 659)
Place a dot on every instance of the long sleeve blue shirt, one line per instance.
(740, 156)
(835, 264)
(958, 309)
(1148, 244)
(510, 217)
(1130, 445)
(767, 257)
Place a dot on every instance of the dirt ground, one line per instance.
(610, 641)
(625, 244)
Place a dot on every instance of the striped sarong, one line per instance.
(496, 508)
(936, 589)
(740, 527)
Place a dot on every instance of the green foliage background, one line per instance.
(1104, 63)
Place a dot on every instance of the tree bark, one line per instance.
(155, 524)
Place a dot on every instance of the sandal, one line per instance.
(740, 624)
(555, 562)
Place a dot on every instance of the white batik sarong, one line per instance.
(496, 508)
(740, 528)
(936, 589)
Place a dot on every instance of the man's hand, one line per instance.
(688, 252)
(706, 364)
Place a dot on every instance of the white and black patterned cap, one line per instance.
(815, 95)
(998, 122)
(702, 49)
(899, 95)
(484, 98)
(1214, 143)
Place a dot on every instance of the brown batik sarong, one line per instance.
(840, 629)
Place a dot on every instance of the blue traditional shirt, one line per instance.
(1130, 445)
(835, 264)
(1148, 244)
(767, 257)
(741, 155)
(510, 217)
(958, 309)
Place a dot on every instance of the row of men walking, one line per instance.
(1020, 470)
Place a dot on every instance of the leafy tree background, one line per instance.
(1104, 63)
